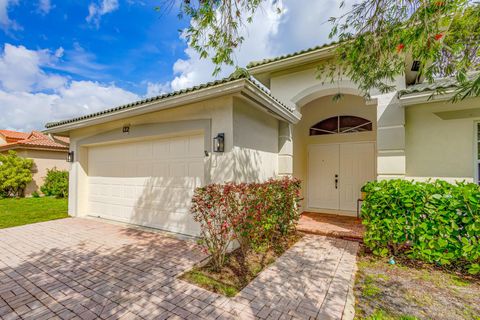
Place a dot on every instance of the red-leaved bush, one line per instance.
(257, 215)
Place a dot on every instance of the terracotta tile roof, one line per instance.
(12, 136)
(237, 75)
(35, 140)
(65, 140)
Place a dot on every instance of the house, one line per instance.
(139, 163)
(46, 151)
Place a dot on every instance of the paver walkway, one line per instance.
(343, 227)
(86, 269)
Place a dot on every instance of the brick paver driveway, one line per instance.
(88, 269)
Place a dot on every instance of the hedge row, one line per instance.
(436, 222)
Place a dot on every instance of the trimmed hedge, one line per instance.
(436, 222)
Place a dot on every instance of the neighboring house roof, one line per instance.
(254, 64)
(35, 140)
(12, 136)
(65, 140)
(241, 77)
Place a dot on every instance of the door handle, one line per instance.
(336, 181)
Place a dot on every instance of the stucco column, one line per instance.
(285, 149)
(391, 157)
(72, 183)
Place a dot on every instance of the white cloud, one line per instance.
(5, 22)
(305, 24)
(79, 61)
(300, 25)
(193, 70)
(156, 89)
(96, 11)
(44, 6)
(30, 96)
(20, 70)
(27, 111)
(59, 52)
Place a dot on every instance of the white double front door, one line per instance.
(336, 173)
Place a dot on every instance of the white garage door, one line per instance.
(148, 183)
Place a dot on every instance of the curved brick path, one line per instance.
(86, 269)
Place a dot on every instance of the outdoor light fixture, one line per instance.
(219, 143)
(70, 156)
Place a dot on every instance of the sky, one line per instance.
(64, 58)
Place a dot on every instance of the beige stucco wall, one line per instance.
(219, 165)
(255, 139)
(441, 148)
(319, 110)
(300, 86)
(248, 155)
(43, 160)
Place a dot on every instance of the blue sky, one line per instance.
(130, 45)
(64, 58)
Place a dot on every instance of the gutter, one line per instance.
(425, 97)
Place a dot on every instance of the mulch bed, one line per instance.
(237, 272)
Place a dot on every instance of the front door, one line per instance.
(336, 173)
(323, 164)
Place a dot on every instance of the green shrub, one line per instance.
(257, 215)
(35, 194)
(56, 183)
(15, 174)
(436, 222)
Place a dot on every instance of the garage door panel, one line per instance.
(167, 220)
(161, 150)
(195, 169)
(153, 185)
(160, 169)
(196, 146)
(143, 151)
(178, 147)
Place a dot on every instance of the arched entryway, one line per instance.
(334, 151)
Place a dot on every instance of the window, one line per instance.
(341, 124)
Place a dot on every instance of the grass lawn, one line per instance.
(407, 291)
(17, 212)
(236, 273)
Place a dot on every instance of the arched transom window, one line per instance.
(341, 124)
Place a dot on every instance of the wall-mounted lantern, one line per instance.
(70, 156)
(219, 143)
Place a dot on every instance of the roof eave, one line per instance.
(23, 147)
(219, 90)
(272, 105)
(170, 102)
(415, 98)
(293, 61)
